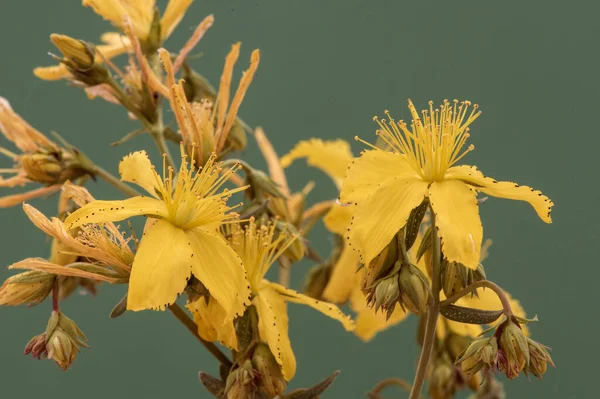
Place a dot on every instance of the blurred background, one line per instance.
(326, 68)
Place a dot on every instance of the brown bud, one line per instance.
(538, 358)
(513, 347)
(414, 289)
(380, 266)
(442, 383)
(77, 52)
(241, 382)
(42, 167)
(28, 288)
(61, 342)
(385, 294)
(271, 377)
(481, 354)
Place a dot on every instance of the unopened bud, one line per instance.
(297, 249)
(442, 383)
(61, 342)
(455, 344)
(380, 266)
(538, 358)
(414, 289)
(513, 347)
(271, 377)
(455, 277)
(77, 52)
(241, 382)
(28, 288)
(481, 354)
(42, 167)
(385, 294)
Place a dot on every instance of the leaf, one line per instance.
(425, 244)
(314, 392)
(413, 224)
(470, 315)
(212, 385)
(119, 308)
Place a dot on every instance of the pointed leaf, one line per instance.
(212, 385)
(470, 315)
(413, 224)
(314, 392)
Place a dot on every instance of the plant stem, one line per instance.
(483, 283)
(285, 272)
(55, 289)
(381, 385)
(113, 181)
(193, 328)
(432, 313)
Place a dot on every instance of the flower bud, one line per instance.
(380, 266)
(514, 348)
(442, 383)
(385, 294)
(28, 288)
(42, 167)
(61, 342)
(271, 377)
(414, 289)
(455, 277)
(237, 139)
(77, 52)
(297, 249)
(455, 344)
(538, 358)
(481, 354)
(241, 382)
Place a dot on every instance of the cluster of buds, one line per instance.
(455, 276)
(391, 279)
(61, 341)
(508, 350)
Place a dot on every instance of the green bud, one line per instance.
(386, 294)
(29, 288)
(271, 377)
(481, 354)
(539, 358)
(380, 266)
(442, 383)
(414, 289)
(241, 382)
(77, 52)
(237, 138)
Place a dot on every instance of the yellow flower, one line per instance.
(41, 160)
(258, 248)
(183, 241)
(114, 45)
(141, 13)
(385, 186)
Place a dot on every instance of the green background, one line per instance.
(326, 69)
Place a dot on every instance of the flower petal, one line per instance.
(341, 282)
(338, 218)
(365, 173)
(161, 268)
(369, 322)
(503, 189)
(457, 220)
(383, 213)
(16, 199)
(332, 157)
(273, 328)
(172, 16)
(273, 163)
(42, 265)
(114, 211)
(221, 270)
(137, 168)
(55, 72)
(210, 321)
(326, 308)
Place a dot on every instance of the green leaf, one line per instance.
(470, 315)
(413, 224)
(212, 385)
(314, 392)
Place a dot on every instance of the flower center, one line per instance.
(434, 141)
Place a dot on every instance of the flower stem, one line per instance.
(193, 328)
(113, 181)
(285, 272)
(432, 313)
(55, 289)
(483, 283)
(381, 385)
